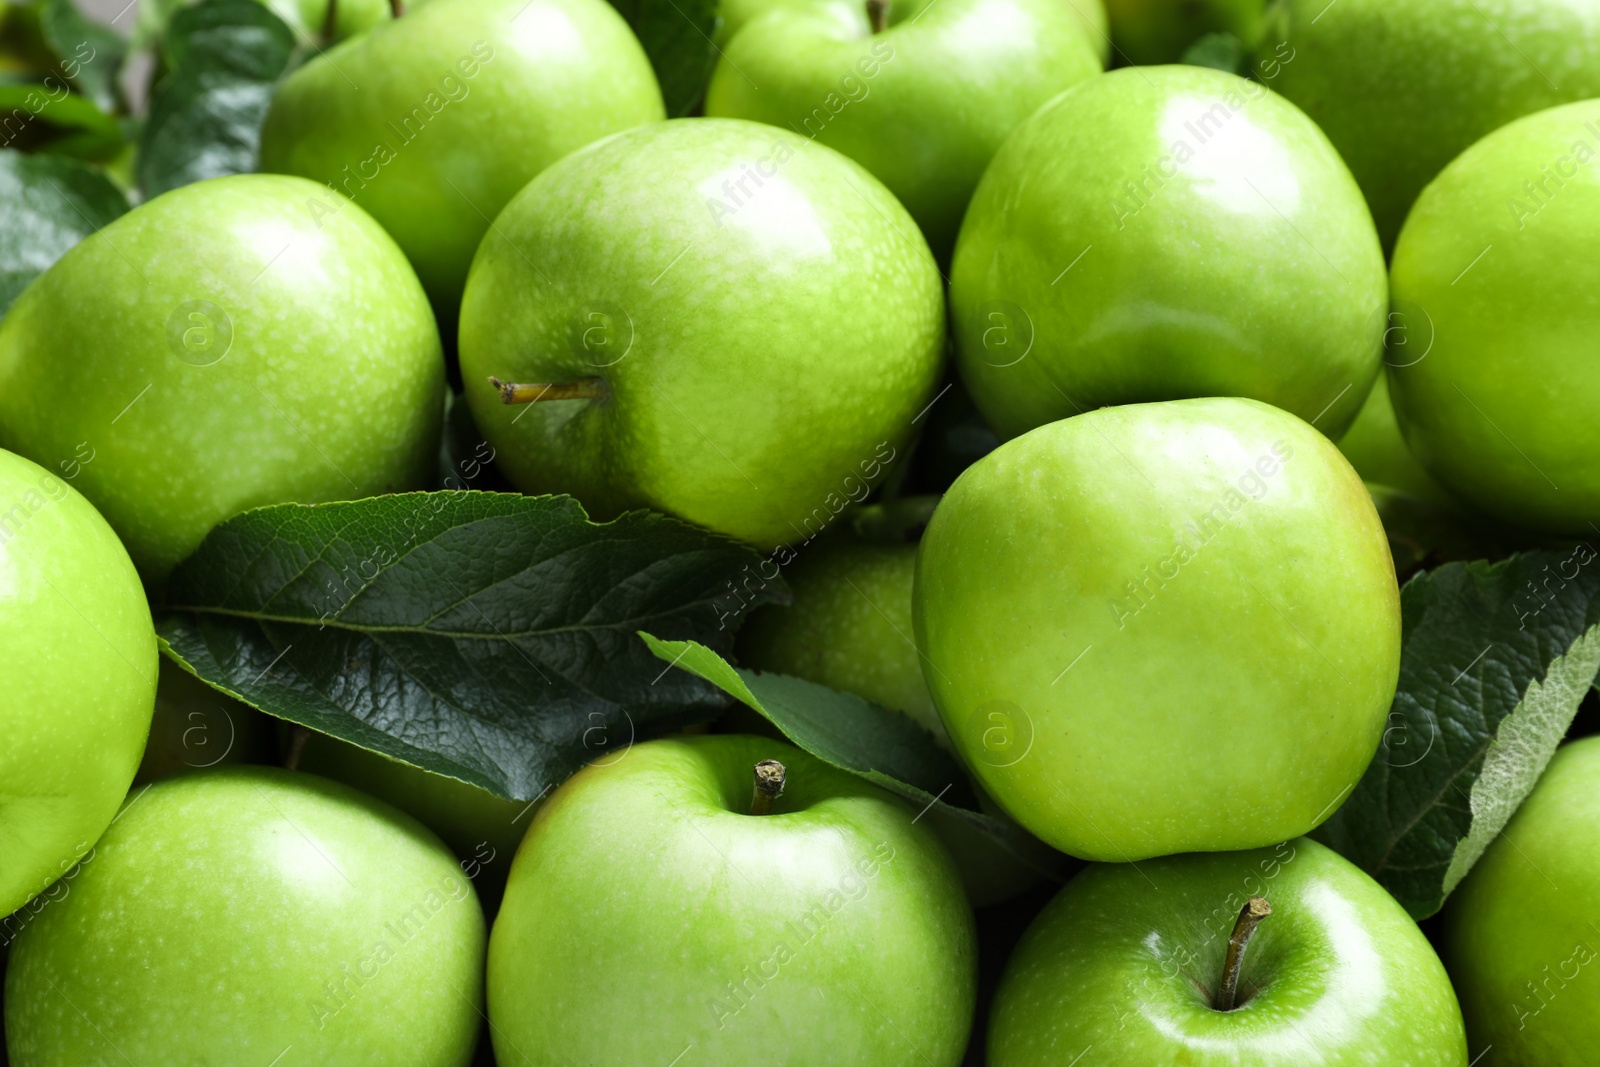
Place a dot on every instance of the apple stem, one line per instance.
(298, 737)
(330, 21)
(528, 393)
(1250, 916)
(878, 15)
(397, 8)
(769, 786)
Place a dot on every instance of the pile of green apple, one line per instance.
(1158, 624)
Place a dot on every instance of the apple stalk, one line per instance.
(878, 15)
(532, 392)
(1250, 916)
(770, 776)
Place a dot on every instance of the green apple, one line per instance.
(1500, 406)
(433, 122)
(1160, 31)
(1161, 233)
(239, 350)
(723, 322)
(1128, 963)
(734, 15)
(481, 828)
(245, 914)
(850, 629)
(1378, 452)
(77, 677)
(1137, 622)
(922, 97)
(1520, 936)
(195, 727)
(651, 912)
(1403, 86)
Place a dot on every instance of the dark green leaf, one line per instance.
(1496, 660)
(45, 117)
(676, 35)
(89, 54)
(486, 636)
(885, 747)
(47, 205)
(224, 58)
(1220, 51)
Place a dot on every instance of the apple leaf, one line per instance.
(887, 748)
(224, 58)
(47, 205)
(45, 118)
(1495, 661)
(676, 35)
(489, 637)
(88, 53)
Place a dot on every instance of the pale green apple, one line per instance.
(196, 727)
(1520, 932)
(77, 677)
(1500, 405)
(1160, 31)
(734, 15)
(481, 828)
(850, 629)
(219, 348)
(245, 915)
(1161, 233)
(741, 328)
(1123, 967)
(922, 100)
(1138, 622)
(433, 122)
(1403, 86)
(650, 914)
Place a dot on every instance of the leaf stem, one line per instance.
(770, 775)
(1250, 916)
(298, 736)
(531, 392)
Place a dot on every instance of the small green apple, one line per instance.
(922, 96)
(722, 320)
(247, 914)
(650, 912)
(1521, 938)
(850, 629)
(77, 677)
(1160, 31)
(1161, 233)
(1403, 86)
(1128, 965)
(1500, 404)
(238, 351)
(481, 828)
(434, 121)
(1136, 623)
(195, 727)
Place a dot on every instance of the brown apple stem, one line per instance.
(397, 7)
(769, 786)
(530, 392)
(878, 15)
(1250, 916)
(298, 736)
(330, 21)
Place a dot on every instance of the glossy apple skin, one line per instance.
(763, 354)
(644, 897)
(504, 87)
(850, 629)
(923, 105)
(1147, 32)
(244, 900)
(1499, 407)
(1119, 969)
(1135, 624)
(734, 15)
(238, 351)
(1404, 86)
(1251, 269)
(77, 678)
(1377, 450)
(1520, 938)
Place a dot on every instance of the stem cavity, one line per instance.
(532, 392)
(1250, 916)
(769, 786)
